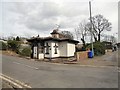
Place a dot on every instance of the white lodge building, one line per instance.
(52, 47)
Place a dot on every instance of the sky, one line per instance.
(28, 18)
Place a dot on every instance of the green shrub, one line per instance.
(99, 48)
(80, 49)
(26, 51)
(3, 46)
(13, 45)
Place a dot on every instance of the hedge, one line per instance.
(99, 48)
(3, 46)
(26, 51)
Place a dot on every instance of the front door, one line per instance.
(35, 52)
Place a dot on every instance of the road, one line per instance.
(48, 75)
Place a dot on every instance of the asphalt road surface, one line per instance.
(47, 75)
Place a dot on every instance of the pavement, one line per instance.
(48, 75)
(109, 59)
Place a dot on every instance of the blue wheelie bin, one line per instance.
(90, 54)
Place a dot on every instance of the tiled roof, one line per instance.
(53, 39)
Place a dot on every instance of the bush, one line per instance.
(26, 51)
(3, 46)
(13, 45)
(108, 45)
(99, 48)
(80, 49)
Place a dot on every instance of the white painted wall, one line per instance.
(55, 35)
(53, 49)
(40, 56)
(66, 49)
(70, 49)
(63, 49)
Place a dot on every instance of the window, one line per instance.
(47, 48)
(55, 48)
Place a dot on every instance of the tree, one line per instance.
(17, 38)
(67, 34)
(100, 24)
(81, 32)
(88, 28)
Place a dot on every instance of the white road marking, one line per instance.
(11, 82)
(26, 65)
(14, 82)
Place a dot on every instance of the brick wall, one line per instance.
(81, 55)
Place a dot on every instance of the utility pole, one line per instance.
(91, 27)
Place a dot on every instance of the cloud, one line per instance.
(30, 18)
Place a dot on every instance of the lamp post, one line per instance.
(91, 27)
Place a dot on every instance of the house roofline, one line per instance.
(52, 39)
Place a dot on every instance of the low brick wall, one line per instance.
(81, 55)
